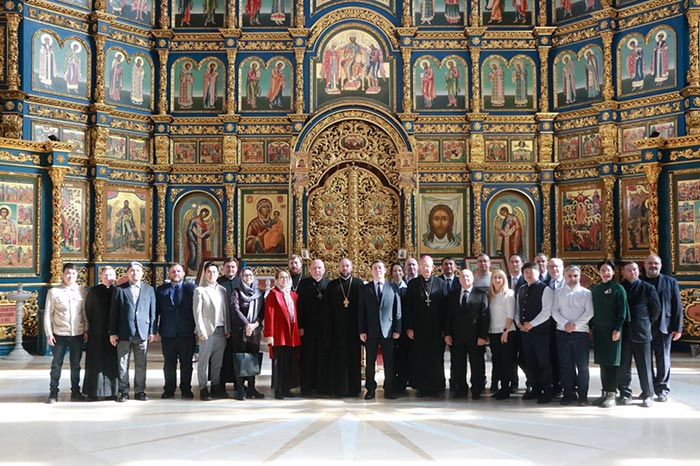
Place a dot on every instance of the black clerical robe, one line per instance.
(314, 320)
(101, 370)
(345, 347)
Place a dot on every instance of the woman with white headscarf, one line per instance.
(282, 329)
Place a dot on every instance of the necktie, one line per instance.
(465, 297)
(379, 291)
(554, 284)
(513, 281)
(177, 295)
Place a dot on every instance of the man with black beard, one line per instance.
(296, 271)
(345, 349)
(314, 331)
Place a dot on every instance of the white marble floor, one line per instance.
(326, 432)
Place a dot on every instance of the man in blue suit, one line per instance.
(132, 325)
(379, 325)
(176, 329)
(668, 327)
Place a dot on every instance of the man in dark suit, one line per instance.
(230, 281)
(643, 301)
(379, 325)
(448, 274)
(668, 327)
(132, 325)
(176, 329)
(466, 333)
(516, 279)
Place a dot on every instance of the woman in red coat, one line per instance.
(283, 331)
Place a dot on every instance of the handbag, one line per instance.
(247, 364)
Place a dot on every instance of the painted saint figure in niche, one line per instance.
(498, 98)
(509, 232)
(47, 61)
(452, 15)
(659, 59)
(137, 73)
(252, 85)
(197, 234)
(116, 77)
(252, 11)
(185, 9)
(352, 64)
(569, 80)
(125, 227)
(494, 6)
(8, 230)
(186, 85)
(260, 227)
(427, 84)
(568, 7)
(441, 234)
(520, 80)
(331, 69)
(277, 84)
(376, 69)
(520, 10)
(426, 8)
(209, 12)
(452, 83)
(209, 91)
(72, 70)
(117, 6)
(590, 4)
(635, 64)
(277, 15)
(139, 8)
(592, 75)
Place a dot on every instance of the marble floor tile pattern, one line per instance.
(321, 431)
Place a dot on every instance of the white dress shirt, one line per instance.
(572, 305)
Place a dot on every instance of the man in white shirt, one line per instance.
(66, 327)
(572, 308)
(210, 307)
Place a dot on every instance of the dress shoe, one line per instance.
(623, 401)
(566, 400)
(141, 396)
(389, 395)
(476, 395)
(219, 394)
(52, 398)
(544, 399)
(204, 394)
(459, 393)
(287, 394)
(167, 395)
(122, 397)
(92, 398)
(188, 395)
(530, 396)
(583, 401)
(647, 402)
(77, 396)
(422, 394)
(253, 393)
(278, 395)
(369, 395)
(662, 398)
(502, 394)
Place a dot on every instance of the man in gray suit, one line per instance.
(132, 325)
(379, 325)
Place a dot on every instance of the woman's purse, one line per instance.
(247, 364)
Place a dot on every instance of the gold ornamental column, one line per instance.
(13, 98)
(13, 76)
(406, 18)
(299, 183)
(98, 245)
(407, 102)
(161, 189)
(408, 176)
(163, 80)
(477, 189)
(57, 175)
(544, 45)
(652, 172)
(229, 249)
(692, 90)
(474, 34)
(231, 101)
(354, 214)
(608, 84)
(610, 248)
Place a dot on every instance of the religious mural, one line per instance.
(202, 151)
(266, 13)
(41, 130)
(128, 79)
(578, 77)
(506, 12)
(265, 223)
(317, 5)
(19, 214)
(508, 84)
(509, 224)
(74, 231)
(634, 199)
(439, 12)
(352, 64)
(198, 86)
(60, 66)
(139, 11)
(685, 230)
(127, 222)
(197, 14)
(580, 221)
(509, 150)
(646, 63)
(265, 86)
(440, 86)
(197, 230)
(441, 223)
(565, 10)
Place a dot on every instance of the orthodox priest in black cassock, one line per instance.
(314, 322)
(425, 305)
(101, 369)
(345, 350)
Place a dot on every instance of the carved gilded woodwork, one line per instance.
(299, 81)
(12, 126)
(477, 245)
(99, 90)
(160, 241)
(652, 172)
(229, 248)
(30, 323)
(231, 153)
(647, 13)
(407, 98)
(57, 174)
(475, 104)
(576, 32)
(3, 52)
(163, 81)
(13, 75)
(608, 84)
(547, 212)
(231, 57)
(323, 24)
(610, 246)
(691, 301)
(544, 85)
(693, 75)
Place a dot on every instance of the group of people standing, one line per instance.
(536, 316)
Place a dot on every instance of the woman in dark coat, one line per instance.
(610, 311)
(101, 371)
(283, 330)
(247, 314)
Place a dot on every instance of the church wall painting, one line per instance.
(442, 216)
(666, 129)
(74, 226)
(265, 86)
(509, 150)
(41, 130)
(630, 135)
(508, 84)
(197, 228)
(566, 10)
(439, 12)
(439, 86)
(60, 66)
(352, 64)
(185, 152)
(266, 13)
(316, 5)
(581, 221)
(127, 222)
(634, 206)
(128, 79)
(197, 14)
(264, 229)
(568, 147)
(20, 222)
(454, 150)
(506, 12)
(428, 151)
(578, 77)
(116, 147)
(591, 145)
(190, 151)
(139, 11)
(685, 221)
(510, 225)
(646, 63)
(211, 152)
(278, 152)
(139, 150)
(198, 86)
(252, 151)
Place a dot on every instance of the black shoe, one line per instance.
(253, 393)
(77, 396)
(52, 398)
(422, 394)
(583, 401)
(287, 394)
(92, 398)
(544, 399)
(141, 396)
(188, 395)
(219, 394)
(122, 397)
(369, 395)
(476, 395)
(239, 395)
(204, 394)
(389, 395)
(529, 396)
(278, 395)
(566, 400)
(167, 395)
(502, 394)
